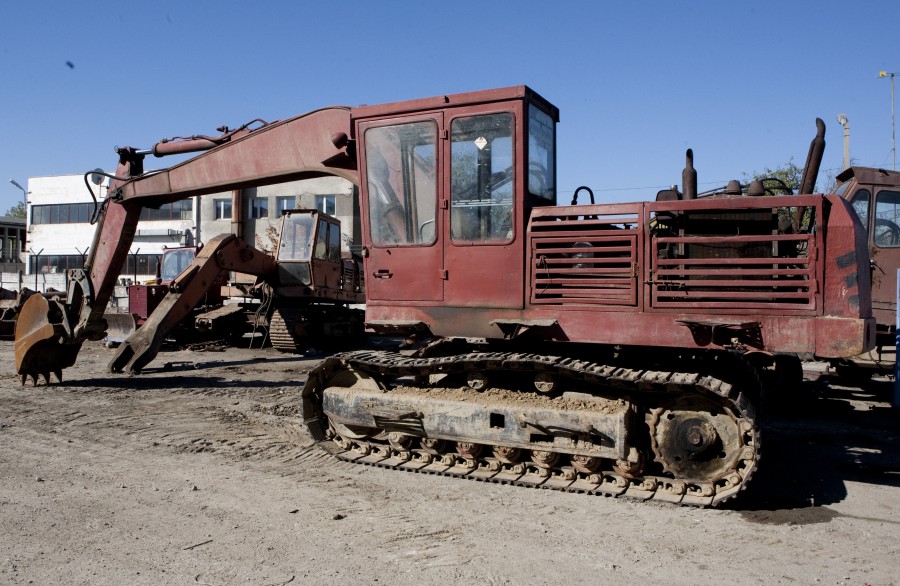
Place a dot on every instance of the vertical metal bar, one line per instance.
(896, 402)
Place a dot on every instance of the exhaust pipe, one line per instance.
(811, 170)
(689, 176)
(813, 159)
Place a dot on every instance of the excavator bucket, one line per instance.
(119, 326)
(42, 333)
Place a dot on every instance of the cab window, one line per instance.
(401, 183)
(296, 237)
(541, 153)
(886, 231)
(860, 203)
(481, 178)
(328, 242)
(174, 262)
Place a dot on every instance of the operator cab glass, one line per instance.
(175, 261)
(295, 248)
(296, 237)
(541, 154)
(886, 231)
(402, 183)
(481, 178)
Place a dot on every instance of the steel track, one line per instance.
(654, 387)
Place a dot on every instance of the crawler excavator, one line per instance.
(306, 288)
(613, 349)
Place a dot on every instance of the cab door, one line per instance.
(403, 256)
(484, 251)
(884, 250)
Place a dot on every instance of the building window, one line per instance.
(282, 204)
(223, 209)
(177, 210)
(59, 263)
(325, 204)
(55, 263)
(259, 208)
(65, 213)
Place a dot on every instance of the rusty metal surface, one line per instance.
(292, 149)
(600, 272)
(590, 426)
(40, 328)
(705, 418)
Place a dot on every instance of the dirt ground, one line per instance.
(199, 472)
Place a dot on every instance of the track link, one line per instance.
(281, 328)
(660, 391)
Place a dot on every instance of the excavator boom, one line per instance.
(306, 146)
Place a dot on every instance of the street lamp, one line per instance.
(893, 139)
(842, 120)
(24, 193)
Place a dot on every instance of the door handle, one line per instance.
(382, 274)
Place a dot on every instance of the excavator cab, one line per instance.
(447, 187)
(309, 253)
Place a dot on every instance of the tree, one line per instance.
(791, 175)
(781, 179)
(17, 211)
(774, 180)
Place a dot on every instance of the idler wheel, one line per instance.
(585, 464)
(468, 449)
(508, 455)
(434, 446)
(543, 459)
(629, 469)
(399, 441)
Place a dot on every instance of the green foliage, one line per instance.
(17, 211)
(773, 179)
(789, 176)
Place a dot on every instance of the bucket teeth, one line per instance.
(35, 376)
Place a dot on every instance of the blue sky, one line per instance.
(636, 82)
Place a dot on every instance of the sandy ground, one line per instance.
(199, 472)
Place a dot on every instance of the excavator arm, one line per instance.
(49, 333)
(225, 252)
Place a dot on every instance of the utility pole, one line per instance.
(893, 136)
(842, 120)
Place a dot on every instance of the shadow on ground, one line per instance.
(812, 449)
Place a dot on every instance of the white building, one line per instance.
(60, 209)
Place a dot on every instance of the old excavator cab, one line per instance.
(447, 186)
(309, 251)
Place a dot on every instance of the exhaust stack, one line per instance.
(811, 169)
(689, 176)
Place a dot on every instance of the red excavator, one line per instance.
(615, 349)
(306, 291)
